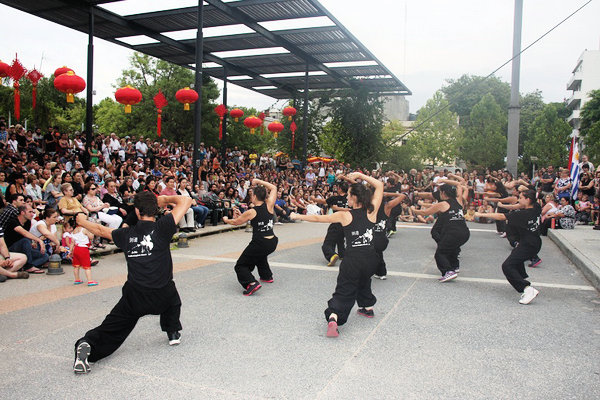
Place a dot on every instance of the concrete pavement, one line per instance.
(466, 339)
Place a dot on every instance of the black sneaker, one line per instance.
(251, 288)
(82, 351)
(366, 313)
(174, 338)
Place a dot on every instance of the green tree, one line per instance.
(590, 126)
(354, 131)
(484, 144)
(468, 90)
(239, 135)
(550, 135)
(437, 135)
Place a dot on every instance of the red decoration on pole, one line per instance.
(128, 96)
(34, 76)
(16, 73)
(186, 96)
(289, 112)
(160, 101)
(252, 122)
(236, 114)
(221, 111)
(262, 125)
(4, 71)
(293, 128)
(70, 84)
(275, 127)
(62, 70)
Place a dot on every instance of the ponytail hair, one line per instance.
(363, 196)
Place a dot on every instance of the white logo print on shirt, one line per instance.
(364, 239)
(144, 248)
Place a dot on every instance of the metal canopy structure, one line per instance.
(273, 62)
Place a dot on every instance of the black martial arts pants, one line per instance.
(380, 242)
(334, 237)
(135, 303)
(514, 266)
(255, 255)
(353, 285)
(448, 249)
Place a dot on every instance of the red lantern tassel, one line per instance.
(34, 93)
(17, 101)
(221, 128)
(262, 129)
(293, 137)
(159, 123)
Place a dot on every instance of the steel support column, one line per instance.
(514, 109)
(305, 122)
(198, 87)
(89, 110)
(224, 141)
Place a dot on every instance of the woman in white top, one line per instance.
(46, 229)
(550, 208)
(95, 206)
(34, 190)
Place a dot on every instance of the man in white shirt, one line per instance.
(141, 148)
(114, 144)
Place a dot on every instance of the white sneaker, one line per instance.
(528, 295)
(382, 277)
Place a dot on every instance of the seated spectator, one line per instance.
(200, 211)
(99, 210)
(584, 210)
(45, 229)
(11, 263)
(14, 201)
(68, 205)
(564, 217)
(187, 222)
(113, 199)
(563, 185)
(550, 207)
(485, 208)
(53, 192)
(34, 190)
(18, 239)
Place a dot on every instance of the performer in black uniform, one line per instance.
(525, 223)
(263, 242)
(499, 192)
(149, 288)
(335, 232)
(454, 233)
(360, 261)
(380, 237)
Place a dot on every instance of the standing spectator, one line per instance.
(547, 180)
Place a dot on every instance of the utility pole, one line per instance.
(514, 109)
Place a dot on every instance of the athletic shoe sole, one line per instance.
(253, 291)
(535, 293)
(536, 263)
(364, 315)
(449, 278)
(333, 260)
(267, 280)
(81, 365)
(175, 342)
(332, 329)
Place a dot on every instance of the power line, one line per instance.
(493, 72)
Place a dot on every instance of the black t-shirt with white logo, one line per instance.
(147, 251)
(340, 201)
(526, 224)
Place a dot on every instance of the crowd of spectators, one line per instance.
(46, 178)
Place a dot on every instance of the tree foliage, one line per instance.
(549, 137)
(590, 126)
(437, 136)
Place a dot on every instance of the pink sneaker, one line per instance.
(332, 328)
(92, 283)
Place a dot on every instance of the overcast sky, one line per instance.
(423, 42)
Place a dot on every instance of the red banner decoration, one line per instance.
(160, 101)
(16, 73)
(293, 128)
(70, 84)
(262, 125)
(34, 76)
(128, 96)
(221, 111)
(289, 112)
(236, 114)
(252, 122)
(275, 127)
(186, 96)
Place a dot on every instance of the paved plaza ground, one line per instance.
(466, 339)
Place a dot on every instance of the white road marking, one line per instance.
(429, 228)
(391, 273)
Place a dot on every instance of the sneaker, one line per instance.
(82, 351)
(596, 227)
(457, 270)
(365, 313)
(270, 280)
(390, 233)
(77, 282)
(94, 262)
(332, 328)
(278, 223)
(333, 260)
(92, 283)
(22, 275)
(528, 295)
(251, 288)
(503, 235)
(448, 276)
(535, 262)
(382, 277)
(174, 338)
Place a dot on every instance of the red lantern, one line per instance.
(262, 126)
(275, 127)
(289, 112)
(221, 111)
(34, 76)
(293, 128)
(128, 96)
(70, 84)
(160, 101)
(4, 71)
(16, 72)
(186, 96)
(62, 70)
(252, 122)
(236, 114)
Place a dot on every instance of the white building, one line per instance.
(586, 77)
